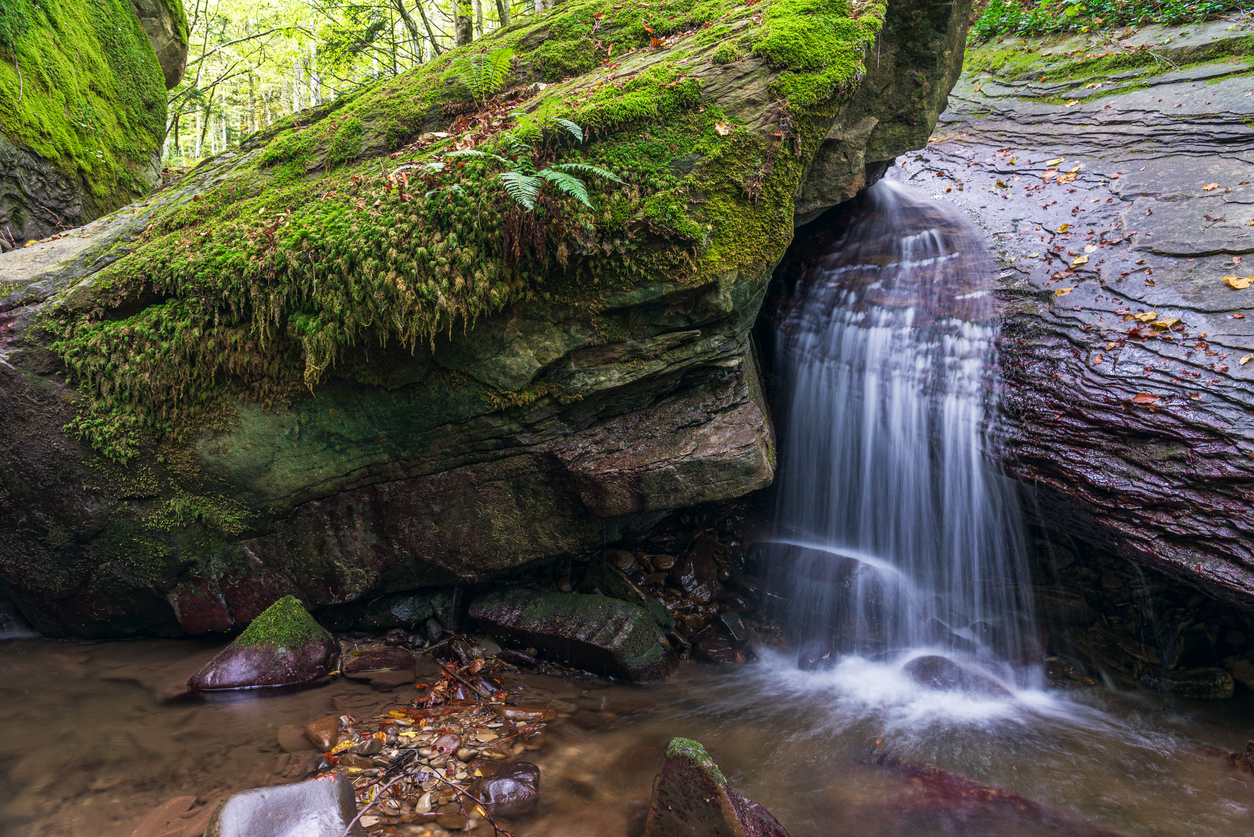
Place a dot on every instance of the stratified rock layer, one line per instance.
(1120, 202)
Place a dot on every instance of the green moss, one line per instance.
(92, 97)
(318, 251)
(695, 754)
(284, 624)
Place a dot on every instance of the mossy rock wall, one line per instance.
(82, 109)
(340, 363)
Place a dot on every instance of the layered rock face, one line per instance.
(483, 391)
(82, 108)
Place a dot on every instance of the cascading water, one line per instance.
(896, 530)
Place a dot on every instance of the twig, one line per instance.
(371, 803)
(465, 683)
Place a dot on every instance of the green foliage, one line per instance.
(820, 45)
(483, 74)
(284, 624)
(1043, 17)
(92, 97)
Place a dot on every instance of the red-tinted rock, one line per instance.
(691, 799)
(282, 647)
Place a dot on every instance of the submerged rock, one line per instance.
(513, 790)
(283, 646)
(944, 674)
(321, 807)
(691, 799)
(384, 669)
(602, 635)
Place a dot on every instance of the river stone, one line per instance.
(283, 646)
(691, 799)
(321, 807)
(943, 674)
(1206, 682)
(602, 635)
(513, 790)
(324, 733)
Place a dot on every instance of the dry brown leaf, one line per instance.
(1144, 398)
(722, 129)
(1246, 359)
(1238, 283)
(1063, 291)
(1067, 178)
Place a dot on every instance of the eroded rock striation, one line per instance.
(342, 362)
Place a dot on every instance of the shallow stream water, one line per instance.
(88, 749)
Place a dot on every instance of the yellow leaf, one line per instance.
(1111, 345)
(1166, 322)
(1049, 163)
(1063, 291)
(1238, 283)
(1073, 102)
(1079, 260)
(342, 746)
(1001, 184)
(1090, 248)
(979, 87)
(1064, 228)
(1210, 187)
(722, 129)
(1033, 255)
(1246, 359)
(1067, 178)
(1147, 317)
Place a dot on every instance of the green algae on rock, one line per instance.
(321, 365)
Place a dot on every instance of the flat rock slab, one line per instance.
(1127, 355)
(691, 799)
(598, 634)
(321, 807)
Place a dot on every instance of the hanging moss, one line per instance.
(336, 236)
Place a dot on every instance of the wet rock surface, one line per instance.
(1120, 204)
(320, 807)
(691, 798)
(598, 634)
(944, 675)
(284, 647)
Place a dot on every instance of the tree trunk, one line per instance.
(542, 6)
(463, 22)
(502, 11)
(426, 22)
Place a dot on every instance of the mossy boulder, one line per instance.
(283, 646)
(82, 108)
(605, 636)
(342, 362)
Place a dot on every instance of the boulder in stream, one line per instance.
(691, 798)
(602, 635)
(283, 646)
(321, 807)
(944, 674)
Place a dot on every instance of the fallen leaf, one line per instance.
(1238, 283)
(1246, 359)
(1079, 260)
(1033, 255)
(1097, 359)
(1063, 291)
(1210, 187)
(1090, 248)
(1064, 228)
(1049, 163)
(722, 129)
(1167, 322)
(979, 87)
(1067, 178)
(1147, 317)
(1144, 398)
(1073, 102)
(1001, 184)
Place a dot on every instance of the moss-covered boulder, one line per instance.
(82, 108)
(343, 361)
(283, 646)
(605, 636)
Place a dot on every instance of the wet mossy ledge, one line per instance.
(340, 362)
(80, 88)
(341, 235)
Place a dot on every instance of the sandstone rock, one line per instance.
(595, 633)
(588, 387)
(165, 24)
(283, 646)
(321, 807)
(944, 674)
(691, 799)
(324, 733)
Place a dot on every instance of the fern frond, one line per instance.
(567, 184)
(517, 146)
(572, 128)
(474, 152)
(523, 188)
(484, 73)
(585, 168)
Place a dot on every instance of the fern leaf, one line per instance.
(523, 188)
(567, 184)
(572, 128)
(585, 168)
(474, 152)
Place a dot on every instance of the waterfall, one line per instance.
(896, 529)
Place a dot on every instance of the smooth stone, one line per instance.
(389, 659)
(691, 798)
(717, 649)
(513, 790)
(292, 739)
(265, 655)
(321, 807)
(944, 674)
(324, 733)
